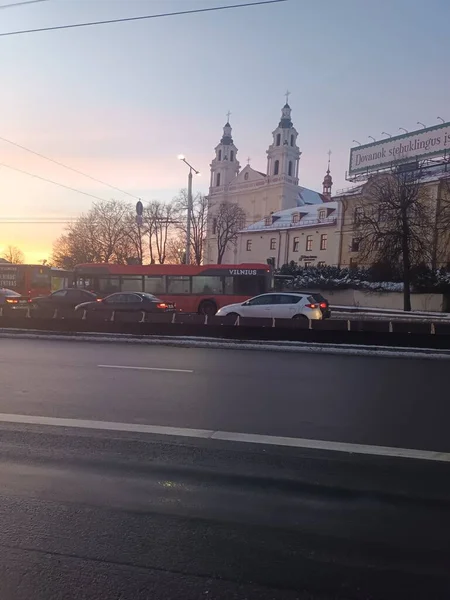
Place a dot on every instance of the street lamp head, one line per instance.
(181, 157)
(198, 173)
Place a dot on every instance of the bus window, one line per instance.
(154, 285)
(204, 284)
(229, 286)
(178, 284)
(108, 285)
(249, 286)
(132, 283)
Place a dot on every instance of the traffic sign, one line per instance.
(139, 208)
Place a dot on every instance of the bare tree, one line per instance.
(198, 223)
(160, 220)
(394, 223)
(229, 219)
(100, 235)
(13, 255)
(176, 250)
(441, 240)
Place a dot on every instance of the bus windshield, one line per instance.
(196, 289)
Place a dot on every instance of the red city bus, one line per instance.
(193, 289)
(27, 280)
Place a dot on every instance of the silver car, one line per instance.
(275, 305)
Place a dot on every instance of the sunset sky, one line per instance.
(120, 101)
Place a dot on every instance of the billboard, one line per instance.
(409, 147)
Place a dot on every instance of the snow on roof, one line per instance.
(282, 219)
(306, 196)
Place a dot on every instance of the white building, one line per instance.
(274, 199)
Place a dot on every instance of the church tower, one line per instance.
(327, 181)
(283, 155)
(225, 166)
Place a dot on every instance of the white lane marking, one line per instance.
(145, 368)
(251, 438)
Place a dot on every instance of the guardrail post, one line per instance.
(391, 329)
(273, 321)
(143, 317)
(1, 311)
(174, 317)
(206, 320)
(55, 314)
(83, 318)
(349, 325)
(237, 321)
(113, 315)
(28, 316)
(433, 329)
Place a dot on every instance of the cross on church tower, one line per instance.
(228, 116)
(329, 158)
(287, 94)
(248, 160)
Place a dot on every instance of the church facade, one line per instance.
(261, 196)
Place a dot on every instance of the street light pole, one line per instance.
(189, 208)
(189, 219)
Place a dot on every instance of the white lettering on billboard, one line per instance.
(402, 148)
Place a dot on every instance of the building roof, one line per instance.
(282, 219)
(306, 196)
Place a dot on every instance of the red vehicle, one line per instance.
(26, 280)
(193, 289)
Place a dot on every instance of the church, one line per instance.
(274, 204)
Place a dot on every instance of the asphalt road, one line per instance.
(108, 515)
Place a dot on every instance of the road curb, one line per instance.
(222, 343)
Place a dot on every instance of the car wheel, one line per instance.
(235, 315)
(207, 308)
(300, 317)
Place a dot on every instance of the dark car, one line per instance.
(323, 303)
(128, 302)
(65, 298)
(11, 299)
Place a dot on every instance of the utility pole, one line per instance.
(189, 208)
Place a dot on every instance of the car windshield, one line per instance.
(8, 293)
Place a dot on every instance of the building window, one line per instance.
(295, 244)
(295, 217)
(214, 227)
(249, 245)
(231, 155)
(219, 156)
(276, 167)
(309, 240)
(355, 245)
(290, 168)
(359, 213)
(321, 263)
(273, 243)
(323, 241)
(246, 176)
(267, 221)
(292, 139)
(353, 263)
(322, 214)
(218, 180)
(278, 139)
(308, 263)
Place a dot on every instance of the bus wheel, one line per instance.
(207, 308)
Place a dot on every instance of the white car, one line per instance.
(275, 305)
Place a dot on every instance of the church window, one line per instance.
(290, 168)
(214, 227)
(218, 180)
(249, 245)
(276, 167)
(231, 155)
(278, 139)
(246, 176)
(292, 139)
(220, 155)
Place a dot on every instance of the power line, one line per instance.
(21, 3)
(67, 187)
(67, 167)
(142, 17)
